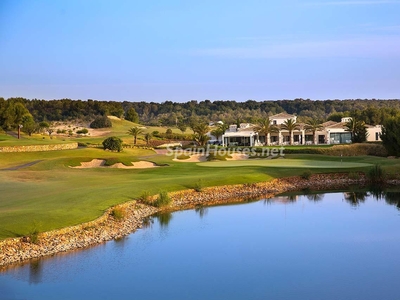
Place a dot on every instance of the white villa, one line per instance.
(331, 133)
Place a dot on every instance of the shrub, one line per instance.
(82, 131)
(183, 156)
(198, 186)
(101, 122)
(118, 213)
(112, 143)
(217, 156)
(306, 174)
(145, 197)
(33, 235)
(377, 174)
(354, 175)
(163, 199)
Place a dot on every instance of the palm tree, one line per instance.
(200, 131)
(290, 125)
(148, 137)
(201, 128)
(135, 131)
(265, 127)
(220, 130)
(358, 130)
(313, 126)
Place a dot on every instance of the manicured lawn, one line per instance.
(53, 195)
(286, 163)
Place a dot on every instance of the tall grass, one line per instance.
(163, 199)
(377, 174)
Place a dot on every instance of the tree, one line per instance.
(265, 127)
(132, 115)
(43, 126)
(201, 130)
(148, 136)
(358, 130)
(391, 135)
(29, 125)
(112, 143)
(101, 122)
(135, 131)
(313, 126)
(290, 125)
(182, 126)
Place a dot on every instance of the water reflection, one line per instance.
(35, 271)
(355, 198)
(201, 210)
(393, 198)
(164, 219)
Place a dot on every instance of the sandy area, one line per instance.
(238, 156)
(95, 163)
(75, 127)
(99, 163)
(201, 158)
(193, 158)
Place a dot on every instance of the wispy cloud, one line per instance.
(342, 3)
(375, 46)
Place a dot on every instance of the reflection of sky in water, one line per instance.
(313, 246)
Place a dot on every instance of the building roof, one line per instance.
(328, 123)
(337, 125)
(282, 115)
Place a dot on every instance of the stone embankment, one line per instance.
(35, 148)
(107, 227)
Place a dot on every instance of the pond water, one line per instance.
(324, 246)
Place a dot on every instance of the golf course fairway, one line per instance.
(284, 163)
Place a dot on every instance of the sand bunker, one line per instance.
(202, 158)
(193, 158)
(99, 163)
(238, 156)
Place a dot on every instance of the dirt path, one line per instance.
(21, 166)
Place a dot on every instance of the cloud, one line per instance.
(376, 46)
(341, 3)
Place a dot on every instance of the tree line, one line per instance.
(170, 113)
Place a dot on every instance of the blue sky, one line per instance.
(183, 50)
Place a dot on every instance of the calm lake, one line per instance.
(326, 246)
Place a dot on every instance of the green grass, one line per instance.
(285, 163)
(54, 195)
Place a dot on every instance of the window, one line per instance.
(274, 122)
(376, 136)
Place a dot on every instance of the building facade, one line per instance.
(330, 133)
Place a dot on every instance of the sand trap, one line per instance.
(202, 158)
(95, 163)
(193, 158)
(99, 163)
(136, 165)
(238, 156)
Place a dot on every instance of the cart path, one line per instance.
(22, 166)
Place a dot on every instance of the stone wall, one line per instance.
(34, 148)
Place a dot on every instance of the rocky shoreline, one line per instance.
(108, 227)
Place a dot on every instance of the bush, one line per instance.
(82, 131)
(112, 143)
(163, 199)
(198, 186)
(354, 176)
(377, 174)
(118, 213)
(217, 156)
(101, 122)
(33, 235)
(145, 197)
(306, 174)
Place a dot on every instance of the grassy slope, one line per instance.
(55, 195)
